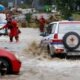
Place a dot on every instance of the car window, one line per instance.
(68, 27)
(51, 28)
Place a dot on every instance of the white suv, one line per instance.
(63, 37)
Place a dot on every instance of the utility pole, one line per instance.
(15, 3)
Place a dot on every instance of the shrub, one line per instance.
(24, 24)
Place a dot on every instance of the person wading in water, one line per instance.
(14, 30)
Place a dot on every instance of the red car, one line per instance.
(9, 61)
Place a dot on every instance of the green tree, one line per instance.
(64, 7)
(4, 2)
(67, 7)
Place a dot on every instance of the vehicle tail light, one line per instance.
(55, 36)
(56, 40)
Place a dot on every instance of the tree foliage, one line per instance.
(67, 7)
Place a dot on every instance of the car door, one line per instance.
(50, 33)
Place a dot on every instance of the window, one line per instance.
(51, 28)
(69, 27)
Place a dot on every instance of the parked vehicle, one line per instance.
(3, 21)
(4, 31)
(11, 62)
(62, 37)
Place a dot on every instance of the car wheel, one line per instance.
(71, 40)
(4, 66)
(50, 52)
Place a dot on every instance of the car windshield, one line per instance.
(69, 27)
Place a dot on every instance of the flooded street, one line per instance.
(34, 68)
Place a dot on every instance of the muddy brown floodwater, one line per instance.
(38, 67)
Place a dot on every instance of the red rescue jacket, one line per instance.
(13, 28)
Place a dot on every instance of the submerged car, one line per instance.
(10, 61)
(62, 37)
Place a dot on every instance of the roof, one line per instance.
(65, 21)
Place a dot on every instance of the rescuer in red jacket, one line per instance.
(13, 30)
(42, 23)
